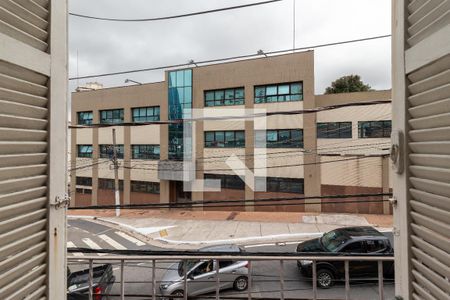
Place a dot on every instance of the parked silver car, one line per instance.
(201, 274)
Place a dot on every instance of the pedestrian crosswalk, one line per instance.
(111, 240)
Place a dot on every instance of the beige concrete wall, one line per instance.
(145, 135)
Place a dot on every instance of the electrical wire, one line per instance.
(230, 58)
(245, 202)
(175, 16)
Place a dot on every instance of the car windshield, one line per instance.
(333, 239)
(189, 264)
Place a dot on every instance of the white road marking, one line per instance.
(130, 238)
(93, 245)
(259, 245)
(112, 242)
(72, 245)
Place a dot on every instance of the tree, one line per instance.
(347, 84)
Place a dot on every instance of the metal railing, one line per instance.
(89, 260)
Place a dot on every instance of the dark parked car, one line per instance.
(351, 240)
(78, 284)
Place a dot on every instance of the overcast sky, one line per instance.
(116, 46)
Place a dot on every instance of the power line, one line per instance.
(230, 58)
(245, 117)
(175, 16)
(244, 201)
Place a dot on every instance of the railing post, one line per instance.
(249, 287)
(217, 280)
(153, 280)
(185, 294)
(91, 279)
(347, 280)
(314, 279)
(122, 280)
(380, 280)
(281, 279)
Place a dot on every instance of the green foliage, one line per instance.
(347, 84)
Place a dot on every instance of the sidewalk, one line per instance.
(194, 229)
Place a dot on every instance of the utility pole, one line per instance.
(116, 174)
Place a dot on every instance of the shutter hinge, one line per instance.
(61, 201)
(397, 151)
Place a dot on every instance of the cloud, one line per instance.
(112, 46)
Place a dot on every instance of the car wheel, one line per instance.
(325, 278)
(240, 284)
(178, 295)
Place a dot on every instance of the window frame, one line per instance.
(87, 154)
(340, 130)
(102, 154)
(85, 121)
(214, 101)
(274, 97)
(235, 143)
(386, 129)
(278, 143)
(273, 185)
(143, 154)
(146, 187)
(146, 118)
(108, 184)
(112, 119)
(232, 182)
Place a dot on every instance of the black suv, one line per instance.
(355, 240)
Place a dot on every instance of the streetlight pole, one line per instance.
(116, 174)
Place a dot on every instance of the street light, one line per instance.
(129, 80)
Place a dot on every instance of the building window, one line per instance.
(86, 181)
(84, 150)
(334, 130)
(281, 138)
(374, 129)
(234, 96)
(146, 114)
(85, 117)
(145, 151)
(225, 139)
(279, 92)
(106, 151)
(285, 185)
(145, 187)
(111, 116)
(108, 184)
(227, 181)
(83, 191)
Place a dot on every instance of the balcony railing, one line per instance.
(152, 262)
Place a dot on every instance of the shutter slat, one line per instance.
(22, 220)
(423, 10)
(441, 120)
(434, 108)
(441, 268)
(35, 8)
(440, 286)
(27, 284)
(430, 82)
(437, 174)
(25, 14)
(431, 237)
(19, 184)
(415, 5)
(430, 211)
(431, 199)
(438, 227)
(13, 134)
(21, 232)
(22, 122)
(434, 134)
(37, 294)
(22, 159)
(22, 24)
(22, 244)
(23, 86)
(23, 98)
(22, 36)
(22, 195)
(431, 160)
(20, 257)
(21, 269)
(438, 93)
(429, 24)
(13, 147)
(23, 110)
(423, 294)
(430, 147)
(23, 208)
(21, 171)
(430, 250)
(431, 186)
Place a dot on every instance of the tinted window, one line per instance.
(375, 246)
(225, 263)
(355, 247)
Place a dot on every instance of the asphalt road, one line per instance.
(265, 274)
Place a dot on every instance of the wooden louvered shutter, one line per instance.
(422, 83)
(33, 94)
